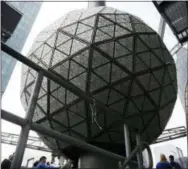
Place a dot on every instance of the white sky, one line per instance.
(50, 11)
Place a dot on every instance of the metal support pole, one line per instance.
(162, 26)
(139, 154)
(17, 160)
(127, 140)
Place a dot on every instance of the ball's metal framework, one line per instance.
(112, 56)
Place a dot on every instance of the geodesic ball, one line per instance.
(115, 58)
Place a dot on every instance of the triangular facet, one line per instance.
(100, 36)
(77, 46)
(140, 47)
(62, 38)
(136, 90)
(140, 65)
(82, 28)
(62, 69)
(122, 87)
(104, 22)
(121, 31)
(51, 40)
(122, 18)
(131, 108)
(104, 72)
(46, 49)
(38, 52)
(62, 118)
(102, 96)
(75, 69)
(90, 21)
(108, 48)
(55, 104)
(138, 101)
(159, 75)
(155, 95)
(74, 119)
(59, 94)
(117, 73)
(120, 50)
(118, 106)
(114, 97)
(153, 84)
(87, 36)
(127, 43)
(126, 61)
(96, 82)
(70, 97)
(58, 57)
(47, 58)
(145, 57)
(82, 58)
(167, 79)
(98, 59)
(65, 47)
(147, 105)
(154, 61)
(108, 30)
(80, 81)
(70, 29)
(144, 80)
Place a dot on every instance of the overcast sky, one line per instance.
(50, 11)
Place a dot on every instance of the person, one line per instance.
(163, 164)
(174, 164)
(6, 163)
(36, 163)
(42, 163)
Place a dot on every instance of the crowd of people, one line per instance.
(42, 163)
(165, 164)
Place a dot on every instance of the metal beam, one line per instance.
(17, 160)
(127, 140)
(139, 153)
(62, 137)
(162, 26)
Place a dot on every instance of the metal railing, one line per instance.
(27, 124)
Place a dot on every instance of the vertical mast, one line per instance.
(95, 3)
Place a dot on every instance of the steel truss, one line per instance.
(27, 124)
(171, 134)
(34, 143)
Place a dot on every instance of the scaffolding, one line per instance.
(27, 124)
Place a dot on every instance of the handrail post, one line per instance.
(139, 154)
(127, 140)
(17, 160)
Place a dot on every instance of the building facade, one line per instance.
(17, 20)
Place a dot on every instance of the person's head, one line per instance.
(11, 156)
(53, 161)
(43, 159)
(171, 158)
(163, 158)
(35, 163)
(48, 163)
